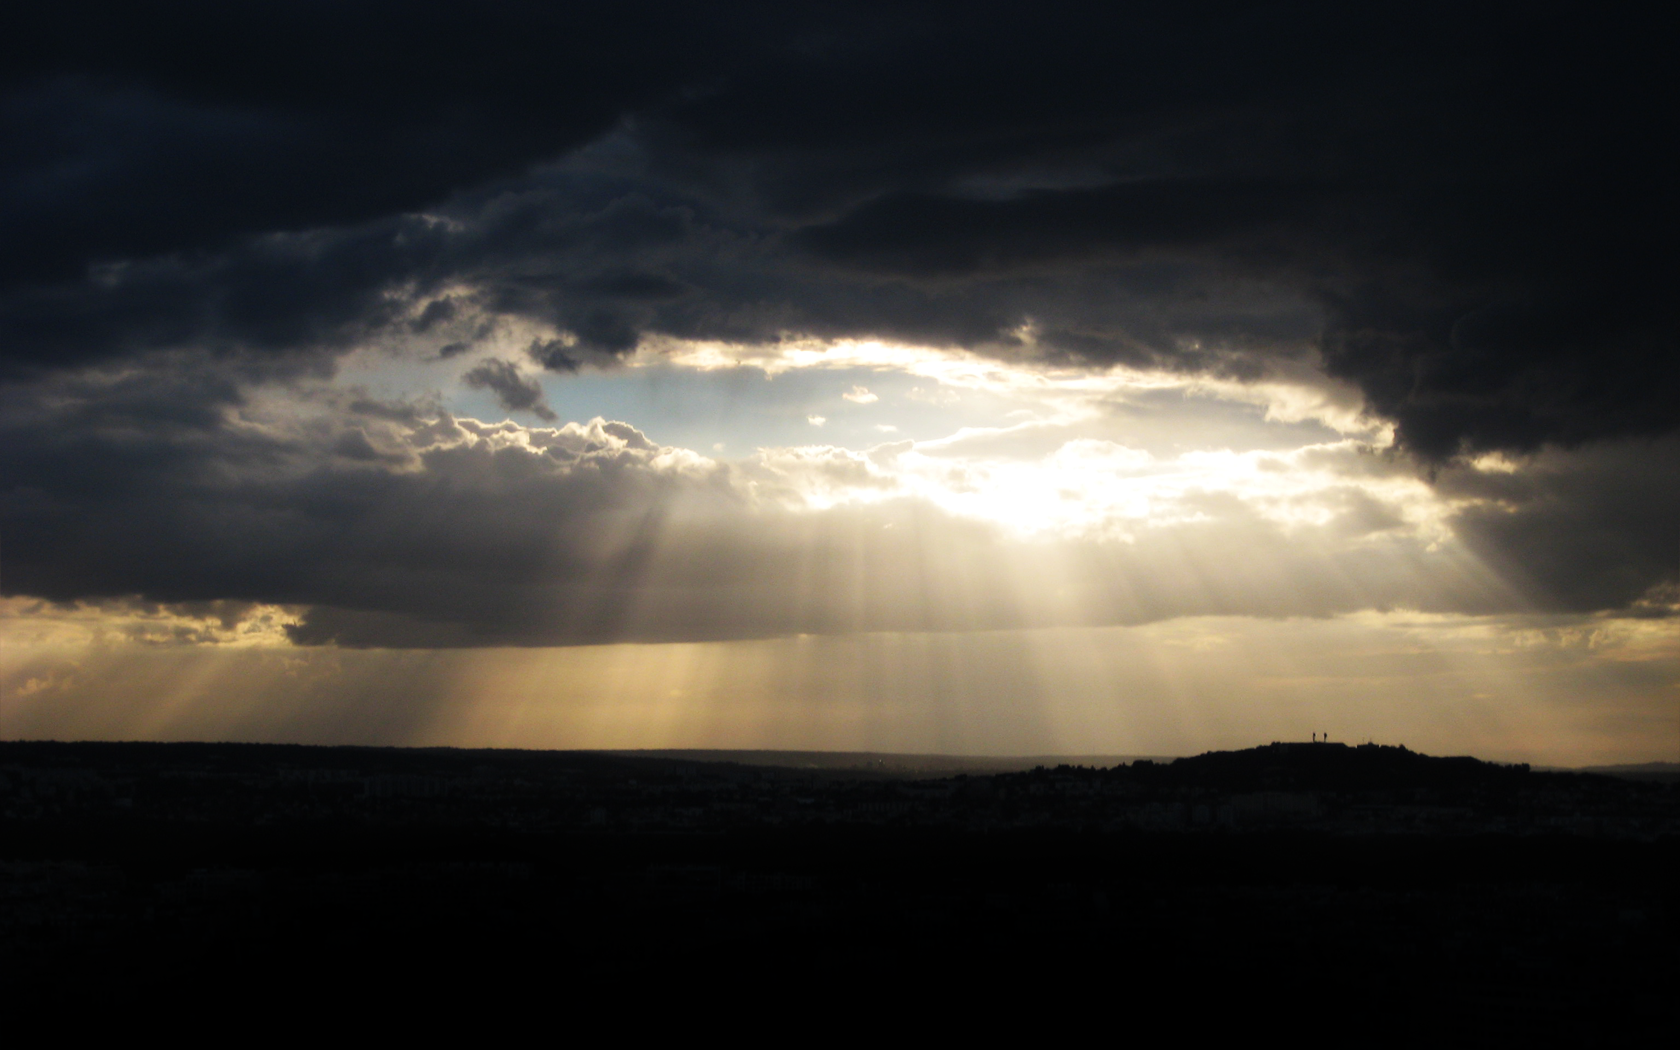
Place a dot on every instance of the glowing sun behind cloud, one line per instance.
(1083, 561)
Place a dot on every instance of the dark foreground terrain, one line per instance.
(1360, 896)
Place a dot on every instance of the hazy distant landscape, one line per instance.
(888, 763)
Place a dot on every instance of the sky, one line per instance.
(918, 377)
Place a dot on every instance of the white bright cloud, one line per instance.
(1292, 393)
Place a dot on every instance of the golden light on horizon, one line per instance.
(1502, 690)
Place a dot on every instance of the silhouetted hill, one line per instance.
(1330, 767)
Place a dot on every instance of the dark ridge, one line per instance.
(1331, 767)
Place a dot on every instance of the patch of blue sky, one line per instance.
(730, 412)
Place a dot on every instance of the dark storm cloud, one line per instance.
(1592, 530)
(1466, 210)
(922, 234)
(135, 130)
(1470, 207)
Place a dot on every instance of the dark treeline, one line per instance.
(1412, 897)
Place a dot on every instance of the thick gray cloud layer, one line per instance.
(1467, 211)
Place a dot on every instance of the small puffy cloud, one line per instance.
(816, 421)
(860, 395)
(514, 391)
